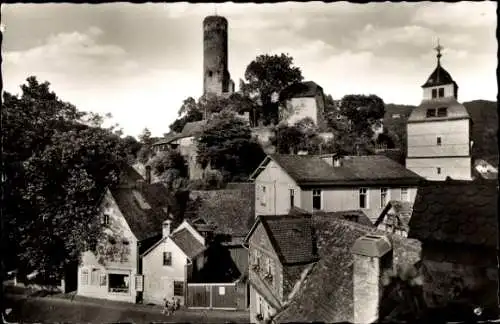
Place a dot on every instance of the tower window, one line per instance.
(441, 92)
(438, 141)
(431, 113)
(210, 73)
(442, 112)
(434, 93)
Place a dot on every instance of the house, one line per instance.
(185, 143)
(172, 262)
(230, 213)
(457, 223)
(439, 130)
(346, 284)
(395, 218)
(302, 100)
(280, 249)
(132, 216)
(328, 183)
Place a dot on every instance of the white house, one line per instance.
(331, 184)
(439, 131)
(132, 215)
(170, 263)
(301, 100)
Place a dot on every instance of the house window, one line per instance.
(438, 170)
(404, 194)
(383, 197)
(263, 197)
(292, 198)
(434, 93)
(222, 291)
(85, 277)
(438, 141)
(167, 258)
(431, 113)
(105, 219)
(441, 92)
(316, 199)
(442, 112)
(363, 198)
(260, 308)
(119, 283)
(179, 288)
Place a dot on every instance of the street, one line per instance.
(78, 310)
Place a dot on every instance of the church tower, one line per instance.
(216, 78)
(439, 130)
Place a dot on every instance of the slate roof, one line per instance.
(144, 223)
(301, 90)
(438, 77)
(458, 212)
(281, 228)
(356, 216)
(230, 210)
(311, 170)
(455, 109)
(187, 243)
(326, 295)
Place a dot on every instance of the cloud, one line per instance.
(77, 53)
(459, 13)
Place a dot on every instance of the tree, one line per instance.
(169, 166)
(301, 136)
(189, 112)
(226, 144)
(352, 124)
(266, 77)
(56, 169)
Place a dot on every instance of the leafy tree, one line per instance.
(352, 124)
(169, 166)
(226, 144)
(266, 77)
(301, 136)
(145, 137)
(56, 168)
(189, 112)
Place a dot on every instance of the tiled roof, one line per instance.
(373, 169)
(459, 212)
(187, 243)
(144, 222)
(230, 210)
(455, 110)
(357, 216)
(167, 138)
(438, 77)
(282, 228)
(301, 90)
(326, 295)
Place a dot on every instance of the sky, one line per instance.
(140, 61)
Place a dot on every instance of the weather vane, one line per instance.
(438, 49)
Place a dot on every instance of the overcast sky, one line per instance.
(139, 61)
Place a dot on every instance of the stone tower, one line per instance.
(216, 78)
(439, 130)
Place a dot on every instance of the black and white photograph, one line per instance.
(267, 163)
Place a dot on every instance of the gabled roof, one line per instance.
(461, 212)
(187, 243)
(326, 295)
(230, 210)
(301, 90)
(311, 170)
(455, 110)
(438, 77)
(144, 222)
(167, 138)
(280, 229)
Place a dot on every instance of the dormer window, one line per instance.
(441, 92)
(431, 113)
(442, 112)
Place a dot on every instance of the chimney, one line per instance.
(166, 227)
(148, 174)
(372, 257)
